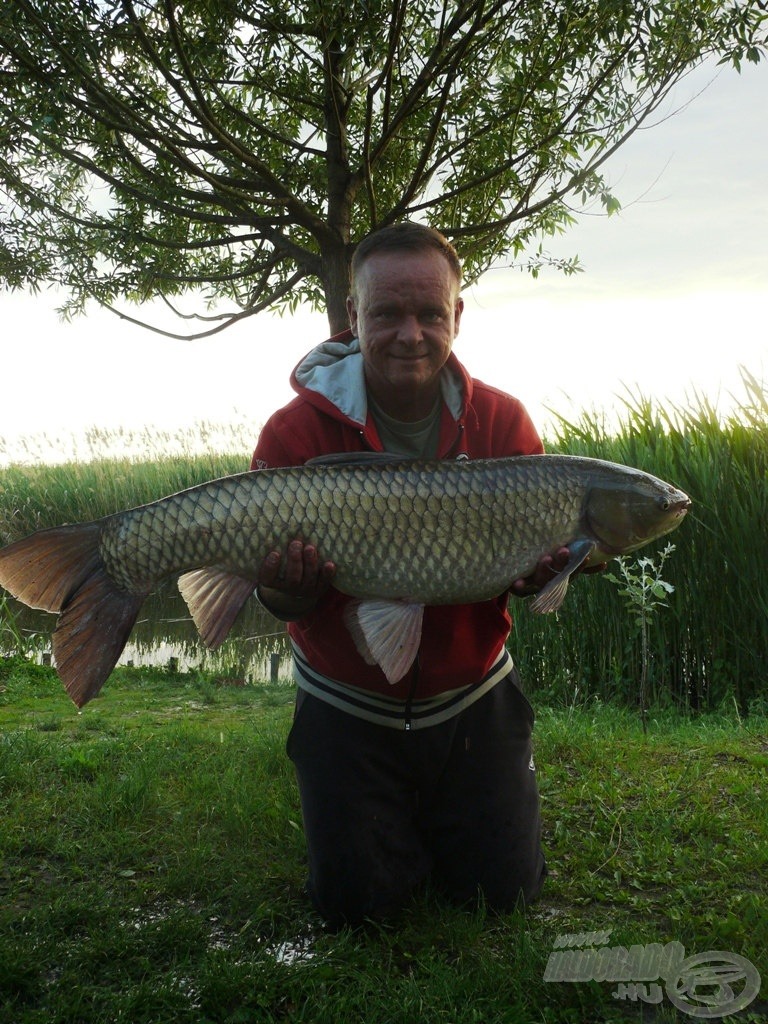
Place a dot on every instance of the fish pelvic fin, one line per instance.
(61, 570)
(215, 598)
(550, 597)
(386, 633)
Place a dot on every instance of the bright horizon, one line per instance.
(671, 304)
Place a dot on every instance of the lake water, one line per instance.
(256, 650)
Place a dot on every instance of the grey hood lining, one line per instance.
(334, 369)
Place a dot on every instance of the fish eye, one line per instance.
(664, 504)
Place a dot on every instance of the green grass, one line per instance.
(152, 863)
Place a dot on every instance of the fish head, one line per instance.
(626, 513)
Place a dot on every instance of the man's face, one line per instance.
(406, 313)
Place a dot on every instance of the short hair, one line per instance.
(406, 236)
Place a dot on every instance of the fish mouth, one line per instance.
(678, 509)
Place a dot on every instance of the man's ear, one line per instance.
(352, 313)
(457, 311)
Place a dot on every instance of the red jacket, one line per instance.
(459, 642)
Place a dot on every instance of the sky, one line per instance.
(671, 305)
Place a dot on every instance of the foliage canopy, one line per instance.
(239, 150)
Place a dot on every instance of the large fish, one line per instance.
(403, 534)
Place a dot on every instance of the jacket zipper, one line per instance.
(407, 722)
(409, 699)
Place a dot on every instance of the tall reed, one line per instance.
(711, 645)
(37, 496)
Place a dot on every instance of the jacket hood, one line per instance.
(333, 373)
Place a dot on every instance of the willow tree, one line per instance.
(238, 149)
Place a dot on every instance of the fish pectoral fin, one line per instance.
(550, 597)
(386, 633)
(215, 598)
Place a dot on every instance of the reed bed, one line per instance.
(710, 645)
(111, 470)
(707, 648)
(148, 443)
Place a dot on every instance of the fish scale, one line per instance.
(402, 535)
(398, 532)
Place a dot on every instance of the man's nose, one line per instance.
(409, 330)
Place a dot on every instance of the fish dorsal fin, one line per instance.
(550, 597)
(214, 598)
(359, 459)
(386, 633)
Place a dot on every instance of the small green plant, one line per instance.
(641, 586)
(11, 635)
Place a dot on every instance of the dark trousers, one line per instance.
(384, 809)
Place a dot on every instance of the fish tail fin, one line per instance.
(61, 571)
(44, 569)
(91, 633)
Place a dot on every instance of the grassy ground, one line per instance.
(152, 860)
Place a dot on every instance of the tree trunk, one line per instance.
(336, 253)
(335, 273)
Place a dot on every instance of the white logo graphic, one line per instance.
(707, 985)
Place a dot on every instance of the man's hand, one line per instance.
(546, 570)
(291, 584)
